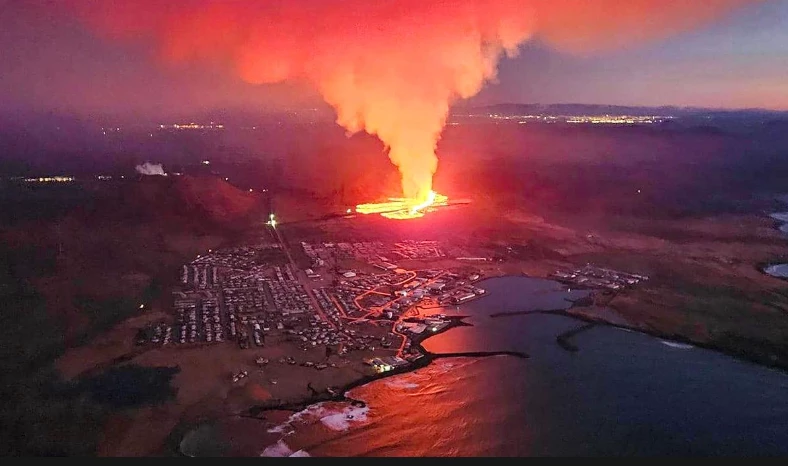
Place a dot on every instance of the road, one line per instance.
(411, 274)
(277, 234)
(403, 316)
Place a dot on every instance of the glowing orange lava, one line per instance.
(401, 208)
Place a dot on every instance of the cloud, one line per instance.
(148, 168)
(390, 68)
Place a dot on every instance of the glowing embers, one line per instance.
(400, 208)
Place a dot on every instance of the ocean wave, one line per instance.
(777, 270)
(445, 365)
(277, 450)
(400, 383)
(286, 427)
(677, 345)
(781, 216)
(335, 419)
(341, 421)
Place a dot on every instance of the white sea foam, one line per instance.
(286, 427)
(398, 382)
(781, 216)
(342, 420)
(777, 270)
(335, 419)
(300, 454)
(677, 345)
(277, 450)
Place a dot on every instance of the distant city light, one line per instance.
(192, 125)
(206, 162)
(51, 179)
(577, 119)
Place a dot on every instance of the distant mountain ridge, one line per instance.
(570, 109)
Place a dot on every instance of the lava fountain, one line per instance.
(402, 208)
(389, 68)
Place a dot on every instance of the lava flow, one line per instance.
(400, 208)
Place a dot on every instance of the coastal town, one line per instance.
(256, 295)
(336, 301)
(590, 276)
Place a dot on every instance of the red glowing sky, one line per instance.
(51, 60)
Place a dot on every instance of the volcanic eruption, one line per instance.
(390, 68)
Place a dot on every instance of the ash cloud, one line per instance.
(148, 168)
(390, 68)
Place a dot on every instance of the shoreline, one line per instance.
(173, 441)
(779, 224)
(762, 266)
(172, 444)
(740, 354)
(592, 321)
(341, 392)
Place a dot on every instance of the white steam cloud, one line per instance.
(148, 168)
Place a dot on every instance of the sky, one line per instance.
(50, 61)
(740, 61)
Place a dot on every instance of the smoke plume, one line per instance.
(148, 168)
(390, 68)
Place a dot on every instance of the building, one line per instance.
(393, 361)
(463, 298)
(437, 286)
(379, 365)
(414, 327)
